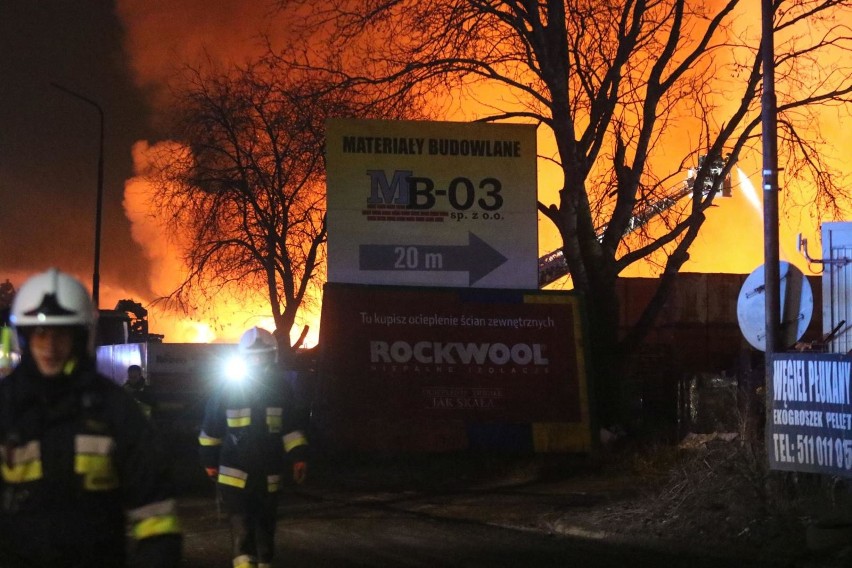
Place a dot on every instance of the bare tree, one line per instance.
(246, 188)
(621, 85)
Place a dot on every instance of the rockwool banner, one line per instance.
(448, 369)
(421, 203)
(809, 413)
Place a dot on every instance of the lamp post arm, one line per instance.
(96, 277)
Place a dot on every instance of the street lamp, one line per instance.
(96, 275)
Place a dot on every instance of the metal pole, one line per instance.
(96, 277)
(770, 186)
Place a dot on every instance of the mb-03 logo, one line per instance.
(405, 192)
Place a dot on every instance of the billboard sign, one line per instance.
(408, 368)
(809, 413)
(432, 203)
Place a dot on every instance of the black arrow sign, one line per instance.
(477, 258)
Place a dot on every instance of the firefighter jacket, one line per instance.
(142, 395)
(81, 466)
(250, 429)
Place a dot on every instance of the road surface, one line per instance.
(410, 529)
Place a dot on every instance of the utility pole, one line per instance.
(769, 111)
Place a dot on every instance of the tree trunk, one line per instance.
(607, 364)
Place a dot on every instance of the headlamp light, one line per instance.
(236, 369)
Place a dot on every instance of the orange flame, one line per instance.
(220, 319)
(731, 239)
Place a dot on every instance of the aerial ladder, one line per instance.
(553, 265)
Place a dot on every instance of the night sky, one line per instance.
(124, 55)
(49, 142)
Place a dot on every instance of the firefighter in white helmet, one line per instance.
(251, 435)
(79, 459)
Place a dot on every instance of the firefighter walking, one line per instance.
(79, 459)
(250, 435)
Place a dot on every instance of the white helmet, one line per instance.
(53, 298)
(257, 340)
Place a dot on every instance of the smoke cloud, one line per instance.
(163, 36)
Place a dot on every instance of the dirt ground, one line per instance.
(711, 493)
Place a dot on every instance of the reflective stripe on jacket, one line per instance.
(77, 452)
(249, 431)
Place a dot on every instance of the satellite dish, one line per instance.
(797, 306)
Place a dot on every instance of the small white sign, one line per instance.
(432, 204)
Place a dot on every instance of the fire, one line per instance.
(731, 240)
(732, 237)
(219, 319)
